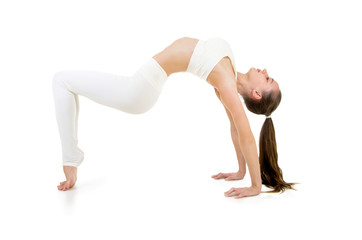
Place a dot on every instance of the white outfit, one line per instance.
(135, 94)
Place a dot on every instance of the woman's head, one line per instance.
(261, 93)
(262, 96)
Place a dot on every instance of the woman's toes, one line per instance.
(66, 185)
(61, 185)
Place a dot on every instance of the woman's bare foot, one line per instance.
(71, 177)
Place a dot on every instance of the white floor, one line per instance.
(152, 205)
(158, 185)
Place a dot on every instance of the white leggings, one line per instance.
(136, 94)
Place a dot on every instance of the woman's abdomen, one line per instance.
(176, 57)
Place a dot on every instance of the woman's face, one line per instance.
(260, 82)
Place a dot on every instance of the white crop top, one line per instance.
(207, 54)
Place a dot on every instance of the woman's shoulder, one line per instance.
(222, 74)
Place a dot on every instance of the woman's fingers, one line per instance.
(222, 175)
(242, 192)
(230, 191)
(219, 176)
(232, 194)
(216, 175)
(241, 195)
(235, 192)
(229, 176)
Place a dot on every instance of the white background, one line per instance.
(149, 176)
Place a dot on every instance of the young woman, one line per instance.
(211, 60)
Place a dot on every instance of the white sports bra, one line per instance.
(207, 54)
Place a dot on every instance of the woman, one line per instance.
(211, 60)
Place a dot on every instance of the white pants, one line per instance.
(135, 94)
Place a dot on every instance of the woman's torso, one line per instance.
(176, 58)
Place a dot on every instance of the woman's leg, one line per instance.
(135, 94)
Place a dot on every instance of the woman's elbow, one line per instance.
(234, 131)
(247, 141)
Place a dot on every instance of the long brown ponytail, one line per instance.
(271, 174)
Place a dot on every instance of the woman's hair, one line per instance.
(271, 174)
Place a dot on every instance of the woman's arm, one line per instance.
(229, 97)
(241, 161)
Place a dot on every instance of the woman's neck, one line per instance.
(242, 83)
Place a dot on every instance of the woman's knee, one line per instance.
(59, 79)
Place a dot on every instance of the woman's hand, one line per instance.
(229, 176)
(242, 192)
